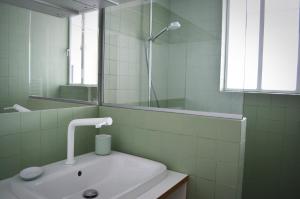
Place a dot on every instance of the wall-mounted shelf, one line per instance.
(61, 8)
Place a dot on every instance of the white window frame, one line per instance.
(224, 48)
(82, 52)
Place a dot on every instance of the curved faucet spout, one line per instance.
(97, 122)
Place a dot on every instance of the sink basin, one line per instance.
(116, 176)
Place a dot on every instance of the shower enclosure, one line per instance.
(148, 53)
(165, 54)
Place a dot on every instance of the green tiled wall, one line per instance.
(79, 92)
(35, 104)
(210, 150)
(125, 76)
(194, 57)
(14, 55)
(48, 61)
(40, 137)
(272, 158)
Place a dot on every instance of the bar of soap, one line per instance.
(31, 173)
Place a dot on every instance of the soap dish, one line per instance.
(31, 173)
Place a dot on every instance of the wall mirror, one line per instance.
(261, 46)
(46, 57)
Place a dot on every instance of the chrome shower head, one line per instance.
(172, 26)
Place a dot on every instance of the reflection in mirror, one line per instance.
(261, 46)
(45, 57)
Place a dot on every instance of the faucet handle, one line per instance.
(107, 121)
(98, 126)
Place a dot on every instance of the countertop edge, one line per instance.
(172, 181)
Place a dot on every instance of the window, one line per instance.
(262, 46)
(83, 49)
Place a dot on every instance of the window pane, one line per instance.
(91, 47)
(252, 44)
(75, 49)
(280, 54)
(236, 44)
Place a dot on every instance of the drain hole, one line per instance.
(79, 173)
(90, 193)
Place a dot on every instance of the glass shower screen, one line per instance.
(165, 54)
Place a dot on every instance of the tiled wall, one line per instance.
(272, 158)
(80, 92)
(40, 137)
(49, 61)
(35, 104)
(14, 55)
(210, 150)
(125, 65)
(160, 52)
(194, 54)
(49, 40)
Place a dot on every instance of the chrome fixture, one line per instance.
(172, 26)
(148, 54)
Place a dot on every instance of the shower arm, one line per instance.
(152, 38)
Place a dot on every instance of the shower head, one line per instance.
(172, 26)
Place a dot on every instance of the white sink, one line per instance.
(117, 176)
